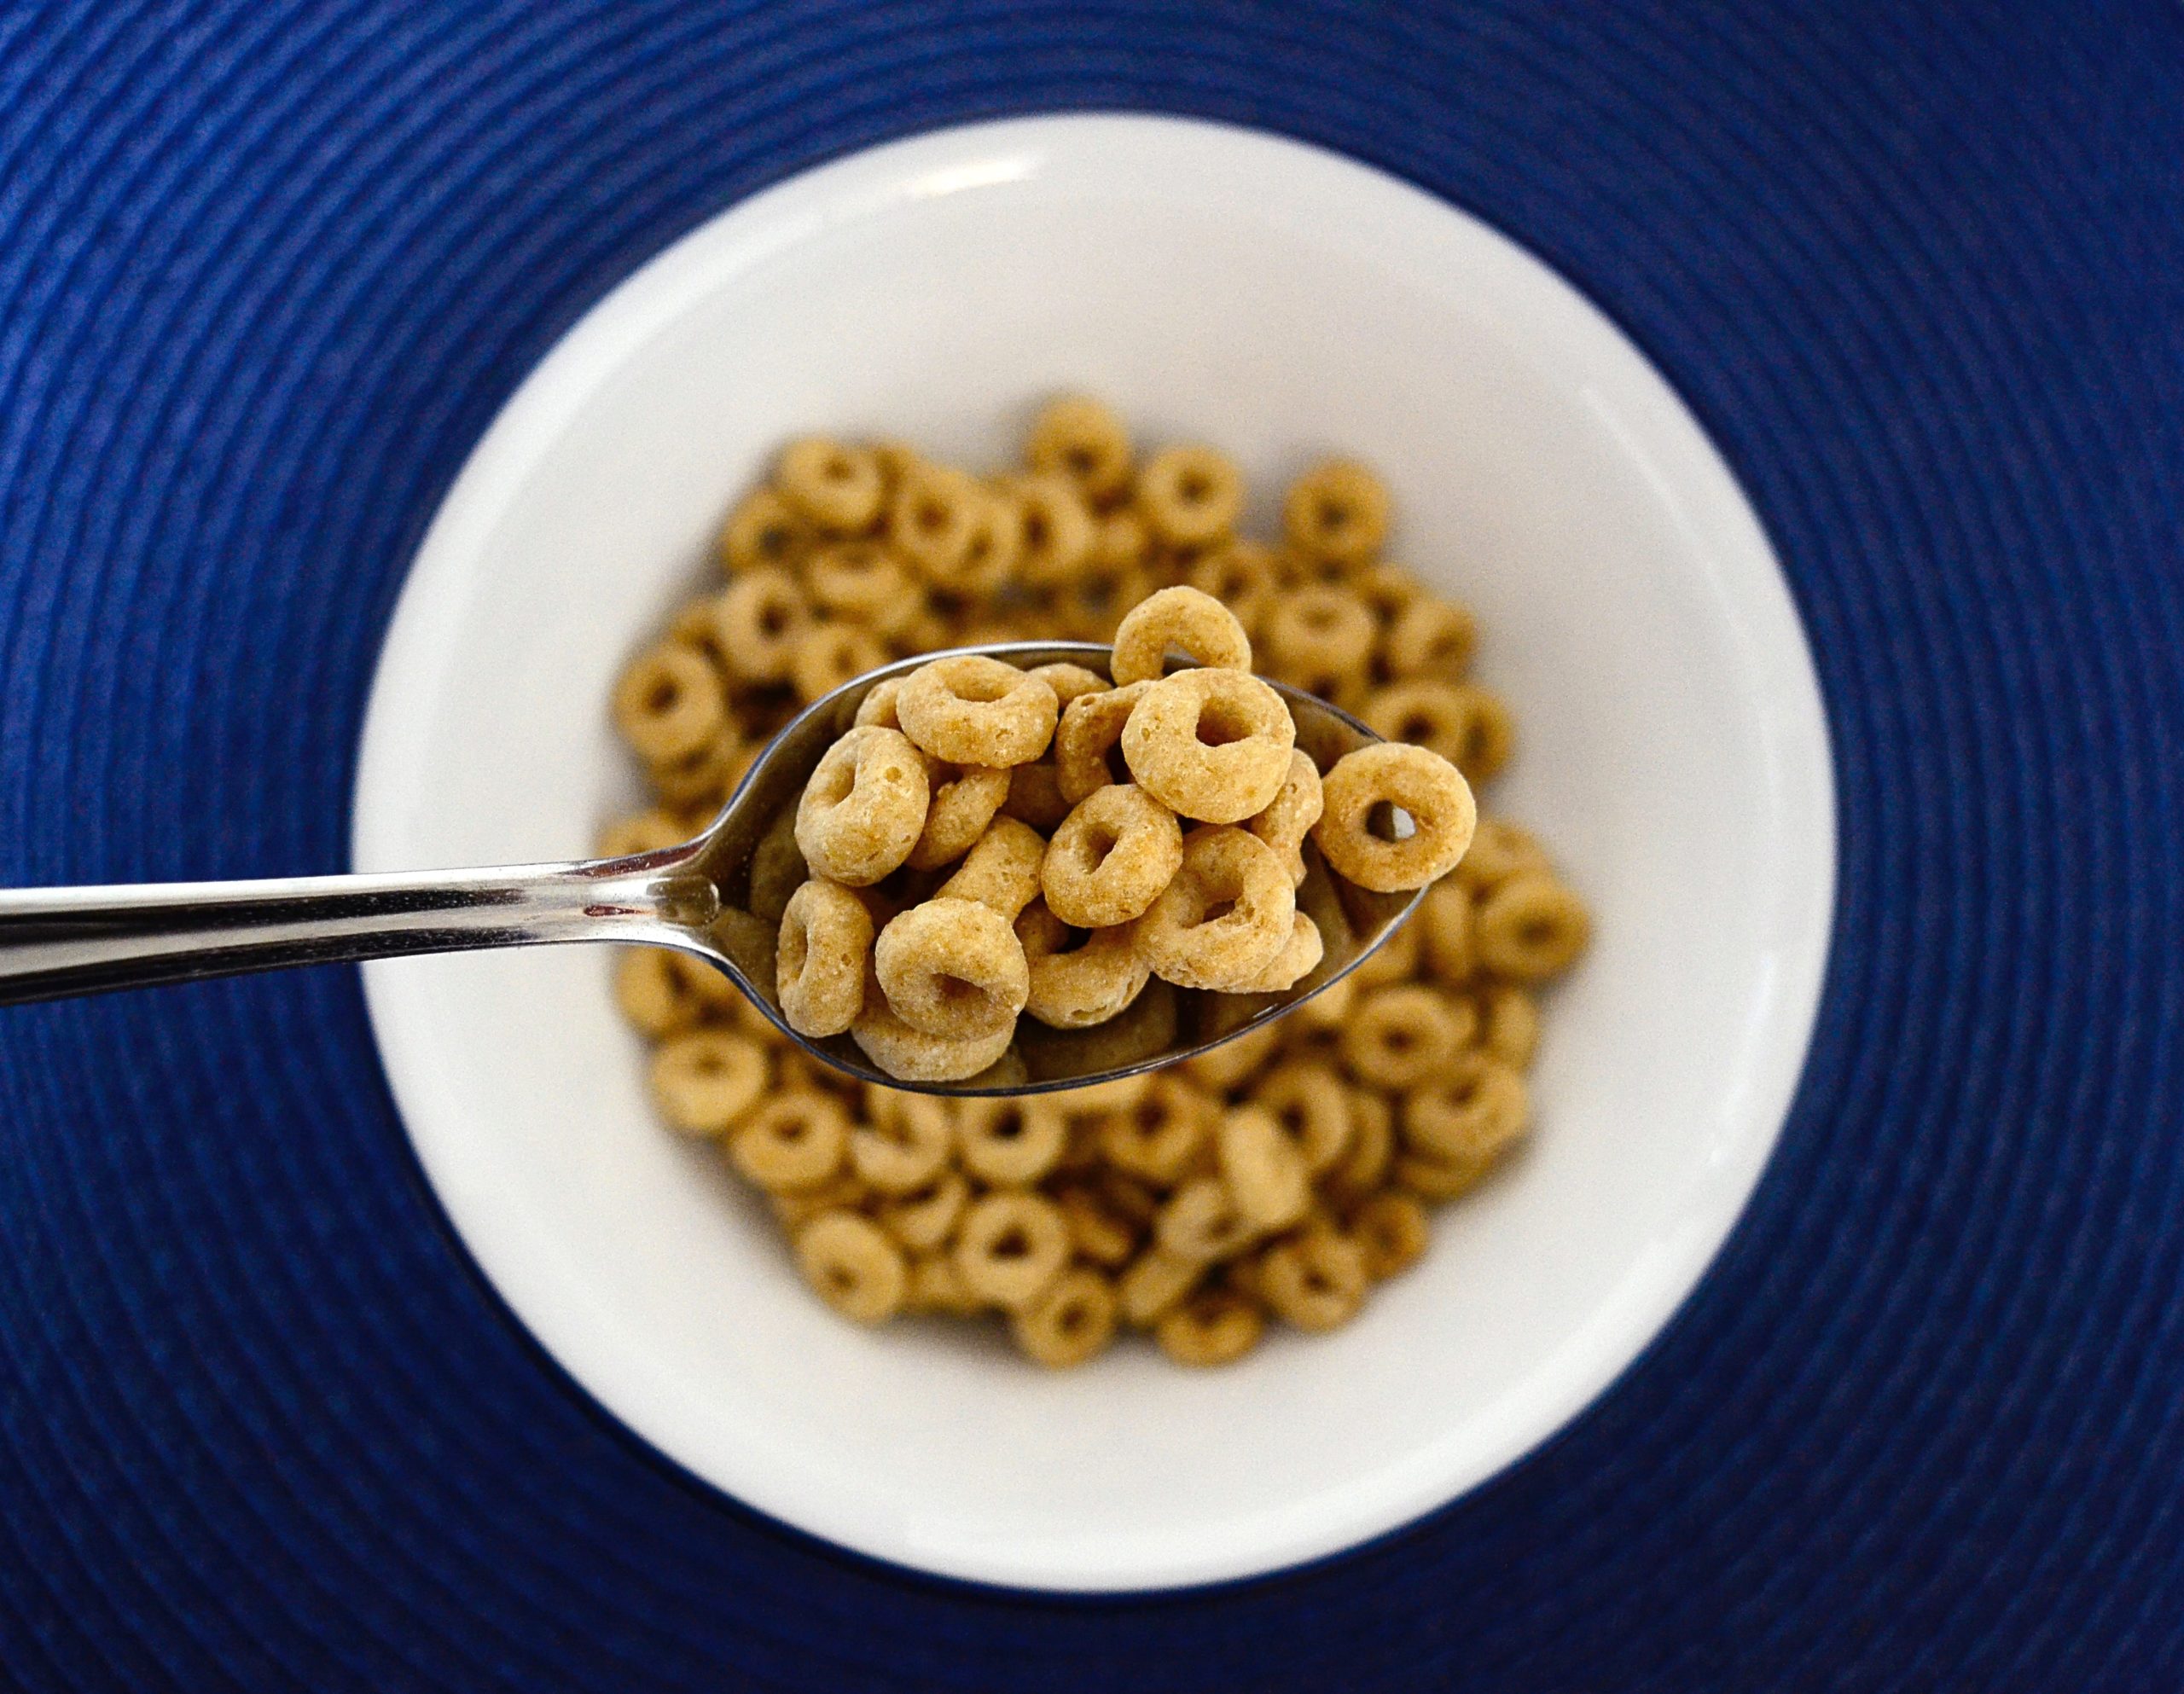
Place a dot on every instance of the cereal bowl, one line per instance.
(1214, 284)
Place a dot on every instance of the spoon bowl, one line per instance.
(1162, 1026)
(697, 898)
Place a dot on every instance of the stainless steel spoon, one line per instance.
(59, 942)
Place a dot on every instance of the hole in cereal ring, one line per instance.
(1081, 461)
(1117, 766)
(1011, 1244)
(837, 469)
(773, 620)
(1008, 1126)
(1218, 724)
(931, 516)
(1389, 822)
(664, 693)
(1194, 486)
(1218, 910)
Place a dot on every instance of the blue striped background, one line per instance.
(268, 267)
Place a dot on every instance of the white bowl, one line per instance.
(1281, 302)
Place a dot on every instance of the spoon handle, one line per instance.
(58, 942)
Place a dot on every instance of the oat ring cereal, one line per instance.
(1072, 1321)
(1111, 858)
(1479, 1112)
(1010, 1247)
(1230, 873)
(1530, 926)
(669, 703)
(917, 1057)
(1011, 1143)
(1425, 711)
(1002, 871)
(1217, 1326)
(972, 710)
(1406, 1035)
(1315, 1280)
(759, 623)
(952, 968)
(1427, 787)
(820, 962)
(1088, 738)
(1265, 1173)
(965, 798)
(1289, 816)
(1210, 744)
(1073, 987)
(856, 1268)
(865, 807)
(1299, 957)
(905, 1143)
(795, 1139)
(1181, 618)
(704, 1081)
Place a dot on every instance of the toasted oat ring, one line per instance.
(1072, 1321)
(1210, 744)
(706, 1080)
(965, 798)
(763, 531)
(1288, 817)
(863, 582)
(1035, 794)
(1404, 1035)
(1096, 1230)
(1430, 637)
(925, 1219)
(916, 1057)
(1316, 1280)
(1321, 631)
(669, 702)
(1241, 576)
(1202, 1220)
(933, 519)
(1299, 957)
(1391, 1232)
(877, 709)
(1312, 1103)
(1083, 440)
(935, 1287)
(820, 960)
(1190, 495)
(1364, 1167)
(1157, 1138)
(1201, 626)
(1425, 712)
(1532, 927)
(1001, 871)
(952, 968)
(759, 621)
(1262, 1168)
(1152, 1284)
(793, 1139)
(1337, 510)
(1445, 921)
(1217, 1326)
(865, 807)
(1511, 1017)
(1490, 735)
(1087, 738)
(1478, 1114)
(1499, 849)
(1010, 1143)
(1222, 867)
(831, 655)
(1058, 529)
(1010, 1247)
(1425, 785)
(904, 1143)
(972, 710)
(1074, 987)
(838, 488)
(1070, 681)
(664, 992)
(856, 1268)
(1111, 858)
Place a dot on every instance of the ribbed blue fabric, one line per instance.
(267, 268)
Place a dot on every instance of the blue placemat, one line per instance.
(266, 271)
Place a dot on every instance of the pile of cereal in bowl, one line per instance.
(1050, 844)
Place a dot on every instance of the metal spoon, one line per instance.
(59, 942)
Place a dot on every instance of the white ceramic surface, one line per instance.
(1280, 301)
